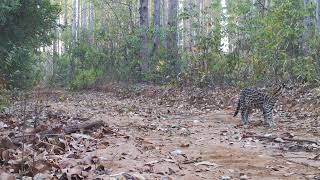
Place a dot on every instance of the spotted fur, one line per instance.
(256, 99)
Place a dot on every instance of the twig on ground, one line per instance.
(285, 139)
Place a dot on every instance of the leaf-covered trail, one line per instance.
(146, 138)
(163, 140)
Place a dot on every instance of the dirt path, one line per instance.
(210, 138)
(160, 141)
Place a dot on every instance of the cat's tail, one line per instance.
(237, 110)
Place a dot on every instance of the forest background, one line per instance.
(82, 43)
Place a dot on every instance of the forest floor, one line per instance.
(147, 132)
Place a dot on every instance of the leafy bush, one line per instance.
(85, 78)
(25, 25)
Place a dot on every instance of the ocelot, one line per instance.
(256, 99)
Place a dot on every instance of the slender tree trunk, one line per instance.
(163, 21)
(224, 34)
(307, 19)
(58, 31)
(55, 43)
(65, 12)
(190, 22)
(74, 36)
(172, 36)
(78, 19)
(185, 26)
(307, 23)
(131, 15)
(318, 15)
(84, 17)
(91, 22)
(165, 12)
(210, 15)
(144, 24)
(65, 22)
(200, 15)
(162, 13)
(74, 22)
(151, 11)
(156, 20)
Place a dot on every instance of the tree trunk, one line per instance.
(172, 36)
(163, 21)
(165, 12)
(91, 22)
(74, 22)
(200, 6)
(208, 20)
(74, 36)
(318, 15)
(55, 43)
(307, 23)
(156, 21)
(190, 22)
(78, 18)
(224, 34)
(144, 24)
(84, 17)
(185, 26)
(131, 16)
(65, 21)
(307, 19)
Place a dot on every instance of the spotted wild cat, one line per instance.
(256, 99)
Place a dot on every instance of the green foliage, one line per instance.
(90, 63)
(267, 43)
(4, 98)
(24, 26)
(62, 67)
(304, 69)
(85, 78)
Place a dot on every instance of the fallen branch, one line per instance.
(301, 140)
(73, 128)
(86, 125)
(67, 130)
(285, 139)
(198, 159)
